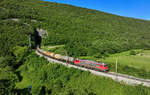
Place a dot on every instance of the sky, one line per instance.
(129, 8)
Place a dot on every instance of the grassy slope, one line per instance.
(136, 61)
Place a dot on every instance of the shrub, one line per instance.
(132, 52)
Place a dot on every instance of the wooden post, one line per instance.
(116, 69)
(67, 57)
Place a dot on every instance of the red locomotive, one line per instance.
(84, 63)
(91, 64)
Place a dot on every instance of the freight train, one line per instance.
(75, 61)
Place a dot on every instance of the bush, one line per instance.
(132, 52)
(98, 55)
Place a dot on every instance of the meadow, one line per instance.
(136, 61)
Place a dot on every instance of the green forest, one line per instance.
(82, 31)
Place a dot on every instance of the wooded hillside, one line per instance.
(82, 31)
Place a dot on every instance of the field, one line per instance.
(136, 61)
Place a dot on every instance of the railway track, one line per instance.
(115, 76)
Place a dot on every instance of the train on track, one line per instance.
(75, 61)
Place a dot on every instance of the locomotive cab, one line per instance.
(105, 66)
(102, 67)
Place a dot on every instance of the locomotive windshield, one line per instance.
(105, 65)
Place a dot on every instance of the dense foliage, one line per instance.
(82, 31)
(14, 39)
(8, 74)
(90, 32)
(54, 79)
(12, 34)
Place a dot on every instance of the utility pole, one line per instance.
(116, 69)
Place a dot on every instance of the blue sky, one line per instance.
(130, 8)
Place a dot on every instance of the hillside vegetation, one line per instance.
(83, 32)
(90, 32)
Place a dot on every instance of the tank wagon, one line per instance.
(75, 61)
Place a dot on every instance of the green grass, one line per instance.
(59, 49)
(124, 58)
(52, 47)
(135, 61)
